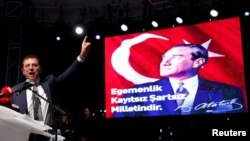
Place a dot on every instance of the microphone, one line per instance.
(5, 101)
(6, 92)
(25, 86)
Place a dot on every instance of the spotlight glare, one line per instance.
(214, 13)
(97, 37)
(246, 13)
(160, 130)
(79, 30)
(154, 24)
(58, 38)
(124, 27)
(179, 20)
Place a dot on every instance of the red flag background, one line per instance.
(145, 56)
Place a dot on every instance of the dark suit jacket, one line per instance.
(211, 97)
(49, 83)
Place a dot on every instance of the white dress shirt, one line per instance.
(44, 104)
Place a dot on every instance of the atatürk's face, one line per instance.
(31, 69)
(177, 63)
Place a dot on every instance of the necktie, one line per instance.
(36, 105)
(181, 94)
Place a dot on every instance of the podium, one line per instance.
(17, 127)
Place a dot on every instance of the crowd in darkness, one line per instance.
(83, 127)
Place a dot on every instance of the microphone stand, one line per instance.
(55, 108)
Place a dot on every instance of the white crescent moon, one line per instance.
(120, 59)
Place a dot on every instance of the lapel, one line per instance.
(20, 99)
(45, 86)
(168, 104)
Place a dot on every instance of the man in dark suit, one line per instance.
(181, 91)
(45, 87)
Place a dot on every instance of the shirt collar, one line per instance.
(188, 83)
(37, 82)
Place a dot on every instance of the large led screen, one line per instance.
(143, 71)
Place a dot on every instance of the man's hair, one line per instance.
(31, 56)
(198, 51)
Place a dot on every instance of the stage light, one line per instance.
(179, 20)
(246, 13)
(154, 24)
(124, 27)
(214, 13)
(160, 130)
(79, 30)
(58, 38)
(97, 37)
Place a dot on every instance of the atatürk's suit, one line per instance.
(48, 84)
(211, 98)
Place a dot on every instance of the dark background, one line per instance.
(42, 20)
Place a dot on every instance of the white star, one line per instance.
(210, 53)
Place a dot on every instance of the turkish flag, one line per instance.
(138, 55)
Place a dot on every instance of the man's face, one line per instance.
(31, 69)
(86, 111)
(64, 119)
(177, 63)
